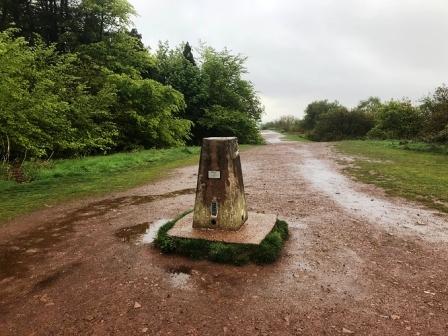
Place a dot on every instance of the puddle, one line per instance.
(17, 255)
(402, 215)
(143, 233)
(179, 277)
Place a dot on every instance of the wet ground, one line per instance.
(357, 262)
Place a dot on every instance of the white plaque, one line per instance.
(214, 174)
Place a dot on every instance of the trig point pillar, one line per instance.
(220, 200)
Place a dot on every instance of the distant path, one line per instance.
(357, 261)
(272, 137)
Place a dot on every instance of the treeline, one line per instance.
(77, 80)
(372, 118)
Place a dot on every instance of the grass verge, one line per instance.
(62, 180)
(295, 137)
(420, 176)
(267, 252)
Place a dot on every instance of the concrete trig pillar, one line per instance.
(220, 200)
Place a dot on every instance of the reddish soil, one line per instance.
(357, 262)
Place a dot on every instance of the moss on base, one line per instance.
(267, 252)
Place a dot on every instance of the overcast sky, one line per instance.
(302, 50)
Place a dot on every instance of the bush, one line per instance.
(339, 123)
(435, 114)
(267, 252)
(314, 110)
(397, 120)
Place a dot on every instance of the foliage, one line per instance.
(267, 252)
(397, 120)
(68, 23)
(416, 175)
(220, 121)
(45, 107)
(174, 69)
(51, 182)
(339, 123)
(330, 121)
(121, 53)
(76, 81)
(145, 114)
(285, 124)
(314, 110)
(370, 107)
(223, 74)
(435, 114)
(214, 89)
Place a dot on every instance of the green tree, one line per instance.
(435, 112)
(214, 84)
(45, 106)
(314, 110)
(339, 123)
(220, 121)
(188, 54)
(397, 120)
(174, 69)
(228, 92)
(101, 17)
(146, 114)
(370, 106)
(223, 74)
(121, 53)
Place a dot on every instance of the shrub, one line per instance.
(397, 120)
(339, 123)
(435, 114)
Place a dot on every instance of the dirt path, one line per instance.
(357, 262)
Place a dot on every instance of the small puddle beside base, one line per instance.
(143, 233)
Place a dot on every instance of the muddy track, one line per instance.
(358, 262)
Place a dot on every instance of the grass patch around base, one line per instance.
(267, 252)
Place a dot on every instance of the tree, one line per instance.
(397, 120)
(221, 121)
(223, 74)
(435, 113)
(370, 106)
(183, 75)
(45, 107)
(227, 91)
(146, 114)
(121, 53)
(314, 110)
(103, 17)
(339, 123)
(188, 54)
(215, 84)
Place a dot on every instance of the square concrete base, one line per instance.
(256, 228)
